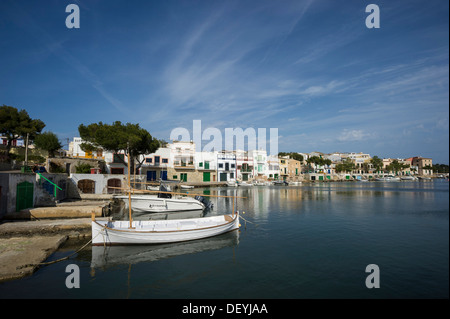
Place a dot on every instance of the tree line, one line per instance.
(116, 137)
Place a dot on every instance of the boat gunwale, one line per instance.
(132, 230)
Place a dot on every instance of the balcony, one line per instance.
(183, 165)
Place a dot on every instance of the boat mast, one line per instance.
(129, 186)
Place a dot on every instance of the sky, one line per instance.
(310, 68)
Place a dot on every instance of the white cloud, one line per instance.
(354, 135)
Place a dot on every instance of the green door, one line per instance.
(206, 176)
(24, 196)
(223, 177)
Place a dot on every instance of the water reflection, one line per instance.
(260, 201)
(108, 256)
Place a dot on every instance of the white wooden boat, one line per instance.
(161, 231)
(186, 186)
(153, 203)
(232, 184)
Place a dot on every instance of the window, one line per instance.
(232, 166)
(116, 170)
(118, 158)
(149, 160)
(220, 165)
(200, 164)
(165, 160)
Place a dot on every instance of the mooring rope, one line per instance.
(55, 261)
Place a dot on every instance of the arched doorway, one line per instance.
(113, 184)
(86, 186)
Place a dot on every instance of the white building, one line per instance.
(273, 167)
(76, 151)
(226, 166)
(260, 166)
(155, 166)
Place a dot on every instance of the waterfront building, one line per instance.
(273, 167)
(260, 163)
(361, 161)
(424, 165)
(284, 167)
(226, 166)
(156, 166)
(294, 169)
(206, 167)
(244, 163)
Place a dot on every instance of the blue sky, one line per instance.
(310, 68)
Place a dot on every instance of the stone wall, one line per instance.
(41, 196)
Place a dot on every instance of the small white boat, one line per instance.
(232, 184)
(424, 177)
(388, 178)
(259, 183)
(408, 178)
(244, 184)
(154, 203)
(186, 186)
(161, 231)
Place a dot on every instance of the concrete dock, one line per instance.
(33, 235)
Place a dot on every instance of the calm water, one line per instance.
(300, 242)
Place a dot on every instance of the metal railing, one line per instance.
(55, 186)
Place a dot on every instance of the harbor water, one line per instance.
(308, 241)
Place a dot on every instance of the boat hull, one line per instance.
(161, 231)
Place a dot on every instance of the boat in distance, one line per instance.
(161, 231)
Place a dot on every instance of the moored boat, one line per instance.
(388, 178)
(408, 178)
(154, 203)
(161, 231)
